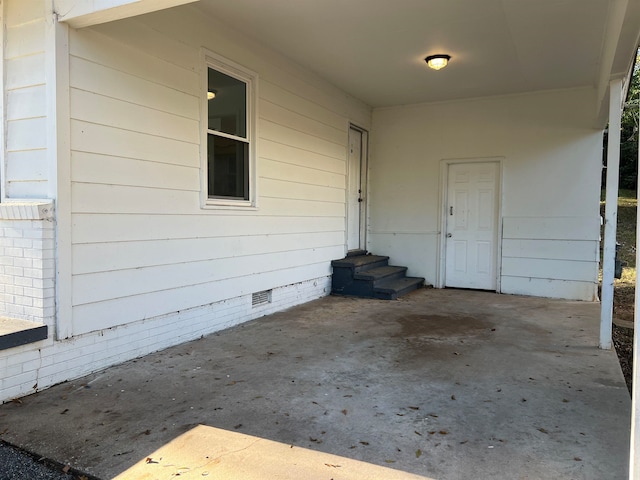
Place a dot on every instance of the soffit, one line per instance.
(374, 49)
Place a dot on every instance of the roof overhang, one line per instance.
(375, 49)
(84, 13)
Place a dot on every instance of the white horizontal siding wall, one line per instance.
(551, 160)
(150, 268)
(142, 246)
(550, 256)
(26, 167)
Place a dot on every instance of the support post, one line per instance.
(3, 105)
(634, 464)
(611, 213)
(59, 159)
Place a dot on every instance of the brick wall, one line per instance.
(27, 261)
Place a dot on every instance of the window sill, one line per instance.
(229, 205)
(15, 332)
(28, 209)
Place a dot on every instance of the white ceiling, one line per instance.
(375, 49)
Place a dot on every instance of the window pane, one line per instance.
(227, 102)
(228, 166)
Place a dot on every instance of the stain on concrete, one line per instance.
(438, 326)
(367, 379)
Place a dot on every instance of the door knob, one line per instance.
(449, 235)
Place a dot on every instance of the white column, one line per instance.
(3, 103)
(59, 158)
(611, 213)
(634, 465)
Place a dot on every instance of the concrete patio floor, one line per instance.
(444, 384)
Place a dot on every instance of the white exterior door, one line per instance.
(471, 234)
(355, 189)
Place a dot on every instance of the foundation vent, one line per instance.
(261, 298)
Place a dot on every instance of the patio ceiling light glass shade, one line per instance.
(437, 61)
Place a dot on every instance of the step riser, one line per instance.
(359, 289)
(344, 276)
(400, 274)
(386, 296)
(341, 278)
(370, 266)
(395, 295)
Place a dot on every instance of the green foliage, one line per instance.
(629, 132)
(626, 231)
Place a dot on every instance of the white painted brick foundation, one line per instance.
(27, 261)
(33, 367)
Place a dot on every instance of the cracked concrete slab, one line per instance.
(443, 384)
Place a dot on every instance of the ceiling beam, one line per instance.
(85, 13)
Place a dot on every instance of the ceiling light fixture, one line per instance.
(437, 61)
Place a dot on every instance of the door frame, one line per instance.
(444, 188)
(364, 169)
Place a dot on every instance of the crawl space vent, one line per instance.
(261, 298)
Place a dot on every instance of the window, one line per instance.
(228, 166)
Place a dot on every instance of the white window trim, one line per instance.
(228, 67)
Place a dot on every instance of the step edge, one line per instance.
(348, 263)
(368, 275)
(412, 281)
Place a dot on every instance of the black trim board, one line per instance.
(20, 332)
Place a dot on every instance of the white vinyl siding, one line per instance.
(142, 245)
(549, 256)
(26, 164)
(551, 171)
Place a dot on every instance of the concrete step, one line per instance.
(360, 263)
(371, 276)
(343, 281)
(381, 273)
(391, 289)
